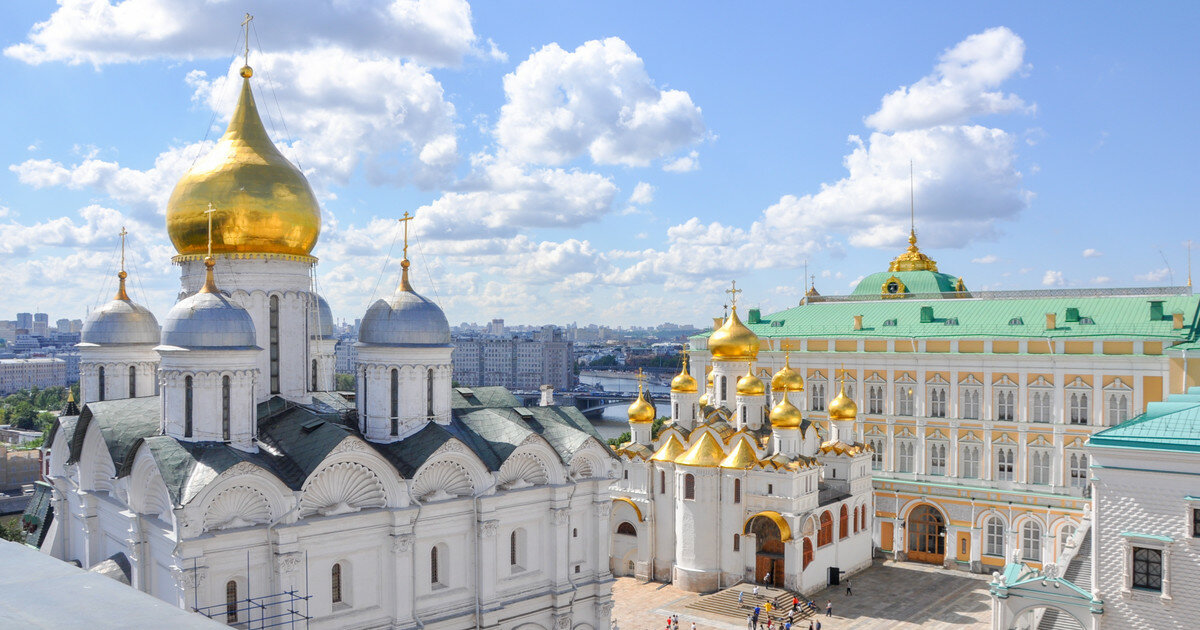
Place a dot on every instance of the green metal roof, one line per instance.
(1170, 425)
(914, 282)
(1110, 316)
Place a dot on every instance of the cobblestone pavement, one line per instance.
(887, 595)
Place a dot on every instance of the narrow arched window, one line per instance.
(225, 387)
(231, 602)
(433, 566)
(662, 482)
(100, 378)
(429, 394)
(132, 382)
(274, 324)
(844, 521)
(335, 584)
(314, 376)
(808, 553)
(737, 490)
(512, 549)
(395, 413)
(187, 406)
(689, 487)
(737, 542)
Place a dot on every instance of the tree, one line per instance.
(343, 382)
(11, 530)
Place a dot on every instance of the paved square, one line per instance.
(887, 595)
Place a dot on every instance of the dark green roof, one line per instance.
(38, 514)
(1170, 425)
(914, 282)
(122, 423)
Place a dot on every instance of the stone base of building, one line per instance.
(696, 581)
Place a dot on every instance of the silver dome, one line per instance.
(120, 322)
(208, 320)
(322, 320)
(408, 319)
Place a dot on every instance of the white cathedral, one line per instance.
(214, 464)
(738, 485)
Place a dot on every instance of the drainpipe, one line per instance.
(416, 618)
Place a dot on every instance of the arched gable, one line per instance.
(451, 472)
(355, 450)
(534, 463)
(96, 467)
(242, 495)
(148, 492)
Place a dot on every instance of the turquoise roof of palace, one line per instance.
(1170, 425)
(914, 282)
(1121, 316)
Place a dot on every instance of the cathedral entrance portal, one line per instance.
(926, 535)
(769, 537)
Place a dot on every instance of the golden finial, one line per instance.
(404, 285)
(70, 392)
(912, 259)
(121, 275)
(246, 71)
(733, 291)
(641, 378)
(210, 284)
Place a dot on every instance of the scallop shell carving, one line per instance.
(581, 468)
(442, 480)
(340, 488)
(522, 471)
(238, 506)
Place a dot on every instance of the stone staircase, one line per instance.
(725, 603)
(1079, 573)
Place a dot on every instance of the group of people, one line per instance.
(764, 611)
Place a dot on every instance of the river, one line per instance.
(614, 420)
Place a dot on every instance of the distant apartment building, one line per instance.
(41, 324)
(19, 467)
(62, 326)
(523, 361)
(344, 355)
(18, 374)
(25, 320)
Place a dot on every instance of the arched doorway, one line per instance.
(926, 535)
(770, 531)
(623, 550)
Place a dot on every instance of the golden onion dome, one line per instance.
(706, 452)
(641, 411)
(703, 401)
(750, 385)
(842, 407)
(263, 203)
(684, 383)
(733, 341)
(787, 379)
(785, 415)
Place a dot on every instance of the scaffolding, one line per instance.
(277, 610)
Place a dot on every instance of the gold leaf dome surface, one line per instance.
(263, 203)
(741, 457)
(787, 379)
(785, 415)
(842, 407)
(706, 453)
(641, 411)
(750, 385)
(913, 259)
(670, 449)
(684, 383)
(733, 341)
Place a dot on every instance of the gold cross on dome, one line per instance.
(641, 377)
(123, 233)
(246, 29)
(733, 291)
(210, 212)
(404, 221)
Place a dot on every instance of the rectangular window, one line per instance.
(937, 402)
(1147, 569)
(904, 400)
(737, 542)
(1005, 462)
(818, 396)
(1040, 471)
(1005, 404)
(1041, 408)
(970, 462)
(1079, 407)
(876, 454)
(1079, 473)
(874, 399)
(970, 403)
(994, 538)
(937, 459)
(905, 461)
(1195, 522)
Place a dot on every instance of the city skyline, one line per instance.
(650, 187)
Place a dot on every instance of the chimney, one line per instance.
(858, 322)
(718, 322)
(1050, 321)
(1072, 315)
(547, 396)
(1176, 321)
(926, 314)
(1156, 310)
(754, 316)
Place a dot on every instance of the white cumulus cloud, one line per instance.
(643, 194)
(1156, 275)
(1092, 253)
(986, 260)
(1053, 278)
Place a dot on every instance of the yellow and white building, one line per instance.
(976, 405)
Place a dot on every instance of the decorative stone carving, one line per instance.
(560, 516)
(487, 529)
(562, 622)
(342, 487)
(190, 577)
(348, 445)
(289, 563)
(403, 543)
(238, 506)
(603, 509)
(442, 480)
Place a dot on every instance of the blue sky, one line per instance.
(615, 162)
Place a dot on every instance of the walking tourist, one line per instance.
(848, 588)
(767, 578)
(795, 601)
(749, 622)
(829, 608)
(740, 593)
(756, 590)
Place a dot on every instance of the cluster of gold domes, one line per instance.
(733, 341)
(684, 383)
(787, 379)
(912, 259)
(264, 203)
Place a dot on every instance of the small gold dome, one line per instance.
(785, 415)
(842, 407)
(263, 203)
(787, 379)
(733, 341)
(750, 385)
(709, 379)
(641, 411)
(912, 259)
(683, 383)
(703, 402)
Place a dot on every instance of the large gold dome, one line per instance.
(263, 203)
(733, 341)
(842, 407)
(785, 415)
(787, 379)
